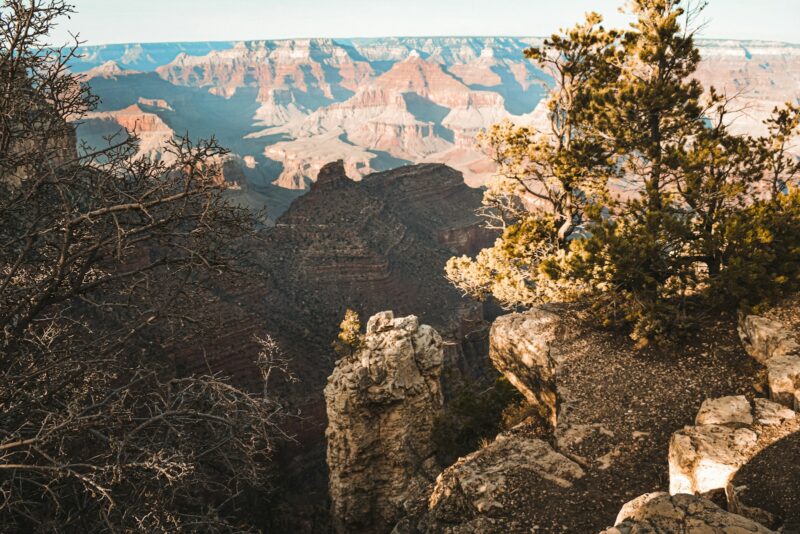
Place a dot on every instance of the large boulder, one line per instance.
(704, 458)
(730, 435)
(774, 345)
(660, 513)
(477, 493)
(521, 347)
(382, 402)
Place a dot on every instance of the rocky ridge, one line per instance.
(741, 452)
(612, 407)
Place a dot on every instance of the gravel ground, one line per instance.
(623, 405)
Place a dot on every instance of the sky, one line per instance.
(124, 21)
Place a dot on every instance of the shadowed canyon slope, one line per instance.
(371, 245)
(285, 108)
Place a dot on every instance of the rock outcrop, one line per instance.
(481, 492)
(382, 402)
(369, 246)
(660, 513)
(304, 158)
(775, 346)
(729, 433)
(331, 176)
(521, 349)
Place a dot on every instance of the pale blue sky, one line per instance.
(120, 21)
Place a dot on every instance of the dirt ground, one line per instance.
(623, 406)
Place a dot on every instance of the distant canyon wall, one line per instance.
(285, 108)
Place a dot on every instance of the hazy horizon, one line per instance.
(105, 22)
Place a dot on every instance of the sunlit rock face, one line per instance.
(382, 402)
(296, 104)
(660, 513)
(729, 433)
(153, 133)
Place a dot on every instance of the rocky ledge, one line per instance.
(612, 409)
(660, 513)
(480, 492)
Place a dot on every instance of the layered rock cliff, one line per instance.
(152, 131)
(293, 105)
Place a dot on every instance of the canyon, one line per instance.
(286, 108)
(363, 152)
(368, 245)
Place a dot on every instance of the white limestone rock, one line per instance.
(681, 514)
(725, 411)
(704, 458)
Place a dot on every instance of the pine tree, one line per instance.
(349, 339)
(695, 204)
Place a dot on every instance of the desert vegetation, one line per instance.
(638, 200)
(105, 265)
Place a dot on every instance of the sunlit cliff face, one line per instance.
(288, 107)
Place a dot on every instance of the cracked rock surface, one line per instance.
(382, 402)
(661, 513)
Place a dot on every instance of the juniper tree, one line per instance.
(349, 339)
(548, 181)
(690, 202)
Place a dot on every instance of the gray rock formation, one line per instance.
(659, 513)
(382, 402)
(330, 176)
(521, 347)
(774, 345)
(765, 338)
(478, 492)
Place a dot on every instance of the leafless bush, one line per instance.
(106, 260)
